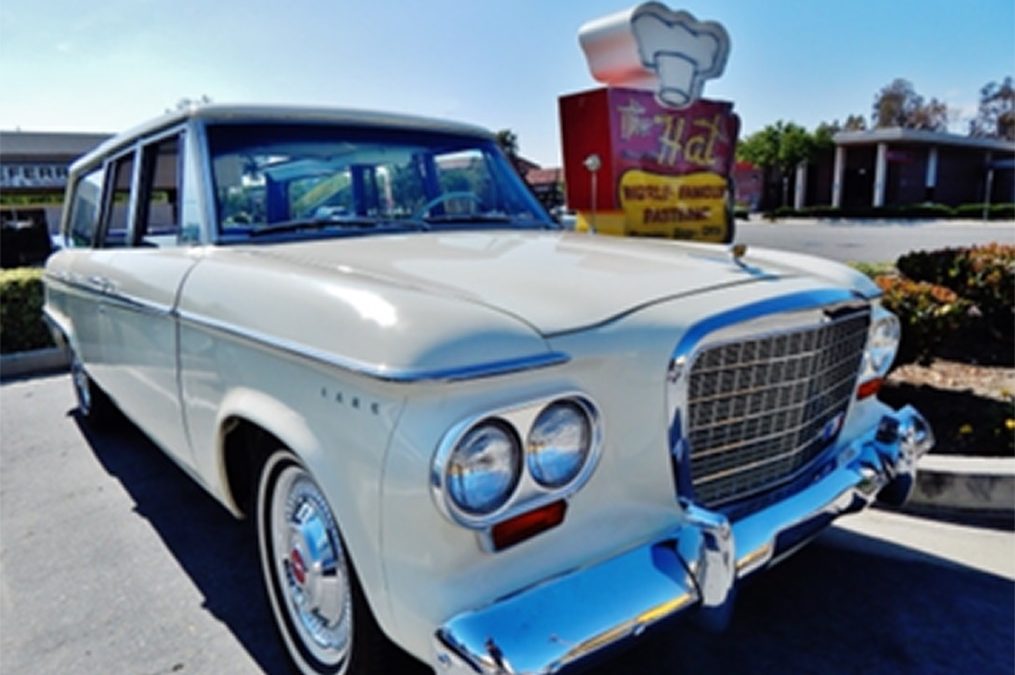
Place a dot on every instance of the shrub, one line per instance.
(984, 275)
(931, 266)
(971, 211)
(874, 270)
(869, 212)
(822, 211)
(929, 313)
(21, 296)
(741, 213)
(925, 210)
(1002, 212)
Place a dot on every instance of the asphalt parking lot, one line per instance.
(113, 561)
(869, 240)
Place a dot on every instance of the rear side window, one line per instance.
(84, 214)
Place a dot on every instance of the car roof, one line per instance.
(229, 113)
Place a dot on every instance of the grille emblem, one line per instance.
(832, 427)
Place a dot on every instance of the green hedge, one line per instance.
(1002, 212)
(925, 210)
(21, 297)
(874, 270)
(994, 211)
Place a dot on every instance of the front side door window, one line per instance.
(158, 218)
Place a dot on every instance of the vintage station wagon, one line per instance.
(502, 446)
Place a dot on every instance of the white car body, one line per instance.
(362, 354)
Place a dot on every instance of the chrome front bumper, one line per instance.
(561, 621)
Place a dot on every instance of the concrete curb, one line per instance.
(959, 484)
(34, 362)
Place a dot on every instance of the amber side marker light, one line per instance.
(869, 388)
(528, 524)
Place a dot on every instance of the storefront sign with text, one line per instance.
(665, 171)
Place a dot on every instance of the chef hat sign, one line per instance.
(653, 47)
(663, 154)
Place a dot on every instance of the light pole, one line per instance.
(593, 164)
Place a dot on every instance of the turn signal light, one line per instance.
(869, 388)
(528, 524)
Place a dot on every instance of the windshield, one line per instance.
(318, 180)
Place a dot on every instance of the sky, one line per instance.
(73, 66)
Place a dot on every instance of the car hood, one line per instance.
(555, 282)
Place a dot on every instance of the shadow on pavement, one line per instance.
(848, 603)
(215, 550)
(845, 603)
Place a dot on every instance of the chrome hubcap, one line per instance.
(310, 566)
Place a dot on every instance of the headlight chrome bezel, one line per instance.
(883, 338)
(528, 494)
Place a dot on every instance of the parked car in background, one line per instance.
(502, 446)
(567, 218)
(24, 238)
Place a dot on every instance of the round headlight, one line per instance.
(484, 468)
(559, 444)
(882, 343)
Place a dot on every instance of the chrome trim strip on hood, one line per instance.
(378, 372)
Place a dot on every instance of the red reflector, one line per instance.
(869, 388)
(528, 524)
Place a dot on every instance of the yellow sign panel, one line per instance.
(691, 206)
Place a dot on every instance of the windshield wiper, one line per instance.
(469, 218)
(371, 224)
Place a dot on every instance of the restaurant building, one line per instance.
(33, 172)
(898, 167)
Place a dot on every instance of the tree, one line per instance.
(780, 146)
(898, 105)
(508, 142)
(996, 116)
(824, 134)
(854, 123)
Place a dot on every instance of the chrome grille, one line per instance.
(759, 409)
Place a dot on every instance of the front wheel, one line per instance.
(319, 608)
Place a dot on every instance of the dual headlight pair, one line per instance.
(486, 463)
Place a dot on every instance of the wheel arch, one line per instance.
(61, 328)
(251, 425)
